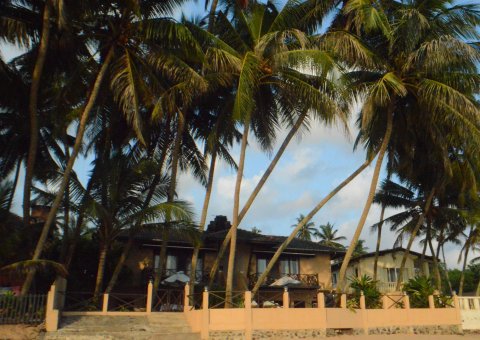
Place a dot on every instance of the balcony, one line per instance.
(307, 280)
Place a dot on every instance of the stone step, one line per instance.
(121, 336)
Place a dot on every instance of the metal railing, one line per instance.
(124, 302)
(168, 300)
(268, 299)
(81, 302)
(307, 280)
(28, 309)
(217, 299)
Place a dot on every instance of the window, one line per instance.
(334, 279)
(289, 266)
(198, 270)
(261, 265)
(171, 263)
(392, 274)
(356, 272)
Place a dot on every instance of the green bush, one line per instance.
(418, 289)
(369, 288)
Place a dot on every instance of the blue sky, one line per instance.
(313, 164)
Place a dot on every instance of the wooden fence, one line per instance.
(28, 309)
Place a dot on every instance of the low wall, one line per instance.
(285, 322)
(470, 312)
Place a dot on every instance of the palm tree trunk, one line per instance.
(100, 270)
(14, 185)
(33, 110)
(477, 293)
(422, 258)
(133, 231)
(66, 213)
(446, 271)
(462, 276)
(435, 259)
(203, 218)
(306, 219)
(235, 221)
(377, 248)
(131, 238)
(170, 197)
(412, 237)
(211, 15)
(371, 194)
(255, 192)
(68, 169)
(78, 226)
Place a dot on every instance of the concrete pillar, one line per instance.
(385, 301)
(248, 316)
(205, 316)
(186, 299)
(343, 301)
(286, 298)
(431, 302)
(362, 301)
(406, 301)
(51, 314)
(148, 308)
(320, 300)
(105, 304)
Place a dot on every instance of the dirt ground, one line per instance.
(19, 332)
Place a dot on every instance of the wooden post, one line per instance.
(431, 302)
(186, 299)
(205, 315)
(385, 301)
(320, 300)
(105, 304)
(148, 307)
(248, 316)
(286, 298)
(343, 301)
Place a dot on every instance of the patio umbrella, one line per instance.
(285, 281)
(178, 277)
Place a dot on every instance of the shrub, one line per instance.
(418, 289)
(369, 288)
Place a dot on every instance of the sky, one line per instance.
(313, 164)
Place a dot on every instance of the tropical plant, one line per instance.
(418, 290)
(328, 236)
(307, 231)
(396, 71)
(368, 287)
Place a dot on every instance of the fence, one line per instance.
(283, 320)
(470, 311)
(29, 309)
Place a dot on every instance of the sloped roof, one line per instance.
(243, 236)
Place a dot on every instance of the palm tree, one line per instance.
(307, 231)
(360, 248)
(131, 69)
(268, 80)
(399, 71)
(328, 236)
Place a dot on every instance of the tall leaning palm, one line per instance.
(121, 58)
(328, 236)
(400, 62)
(262, 46)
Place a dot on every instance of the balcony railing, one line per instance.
(201, 276)
(307, 280)
(387, 287)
